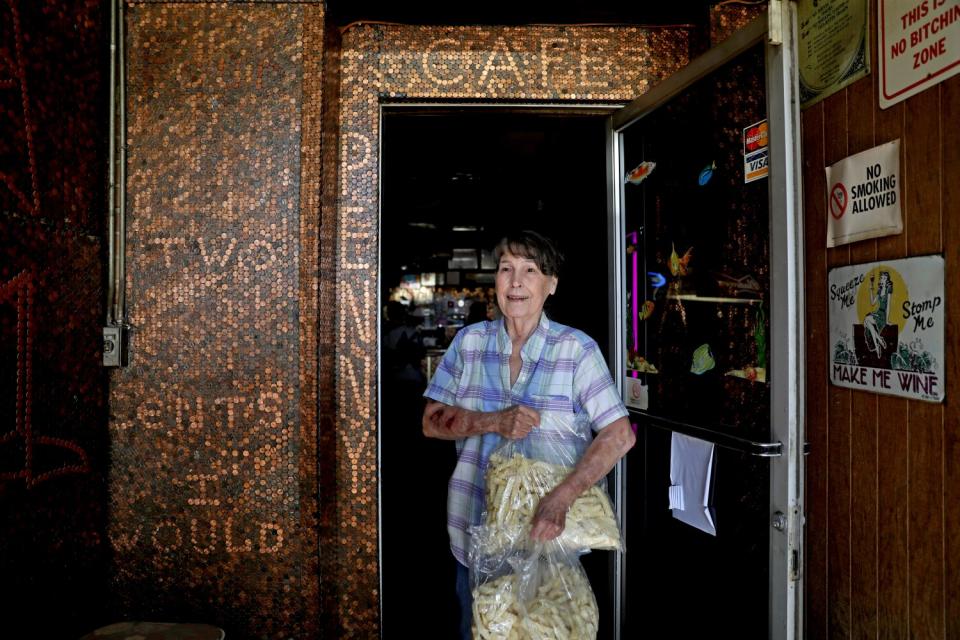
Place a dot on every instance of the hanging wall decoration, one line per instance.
(863, 195)
(918, 46)
(887, 327)
(833, 48)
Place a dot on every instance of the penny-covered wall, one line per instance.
(53, 439)
(214, 422)
(245, 122)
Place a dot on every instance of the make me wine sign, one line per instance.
(887, 327)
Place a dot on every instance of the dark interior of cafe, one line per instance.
(456, 180)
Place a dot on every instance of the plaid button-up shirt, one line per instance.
(563, 370)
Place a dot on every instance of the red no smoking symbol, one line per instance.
(838, 200)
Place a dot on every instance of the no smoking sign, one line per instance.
(838, 200)
(863, 195)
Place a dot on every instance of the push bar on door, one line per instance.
(725, 440)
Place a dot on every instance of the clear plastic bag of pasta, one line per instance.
(520, 472)
(530, 594)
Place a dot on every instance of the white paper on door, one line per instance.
(691, 477)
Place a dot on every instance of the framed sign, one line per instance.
(919, 44)
(887, 327)
(833, 46)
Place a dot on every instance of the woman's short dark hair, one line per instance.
(531, 245)
(889, 286)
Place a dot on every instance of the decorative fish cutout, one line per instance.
(707, 173)
(753, 374)
(760, 337)
(744, 285)
(637, 362)
(640, 174)
(656, 280)
(680, 266)
(645, 367)
(702, 360)
(646, 310)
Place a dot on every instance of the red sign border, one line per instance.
(883, 61)
(846, 200)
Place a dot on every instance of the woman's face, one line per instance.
(521, 287)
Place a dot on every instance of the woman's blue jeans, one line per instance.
(465, 596)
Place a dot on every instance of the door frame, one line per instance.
(599, 110)
(776, 27)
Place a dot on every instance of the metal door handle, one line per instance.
(719, 438)
(779, 521)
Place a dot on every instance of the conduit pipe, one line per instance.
(114, 328)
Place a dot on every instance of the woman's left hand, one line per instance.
(550, 518)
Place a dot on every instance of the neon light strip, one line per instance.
(634, 301)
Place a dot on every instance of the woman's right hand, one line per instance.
(516, 422)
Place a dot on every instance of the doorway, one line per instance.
(455, 180)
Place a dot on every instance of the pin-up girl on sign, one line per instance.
(876, 320)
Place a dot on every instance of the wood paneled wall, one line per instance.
(883, 486)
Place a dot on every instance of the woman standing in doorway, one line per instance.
(492, 373)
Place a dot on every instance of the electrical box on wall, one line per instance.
(114, 349)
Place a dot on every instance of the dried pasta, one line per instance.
(514, 486)
(564, 607)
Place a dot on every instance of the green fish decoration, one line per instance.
(760, 337)
(702, 360)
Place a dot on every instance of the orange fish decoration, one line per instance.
(680, 266)
(639, 174)
(646, 310)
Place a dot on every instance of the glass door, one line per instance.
(710, 358)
